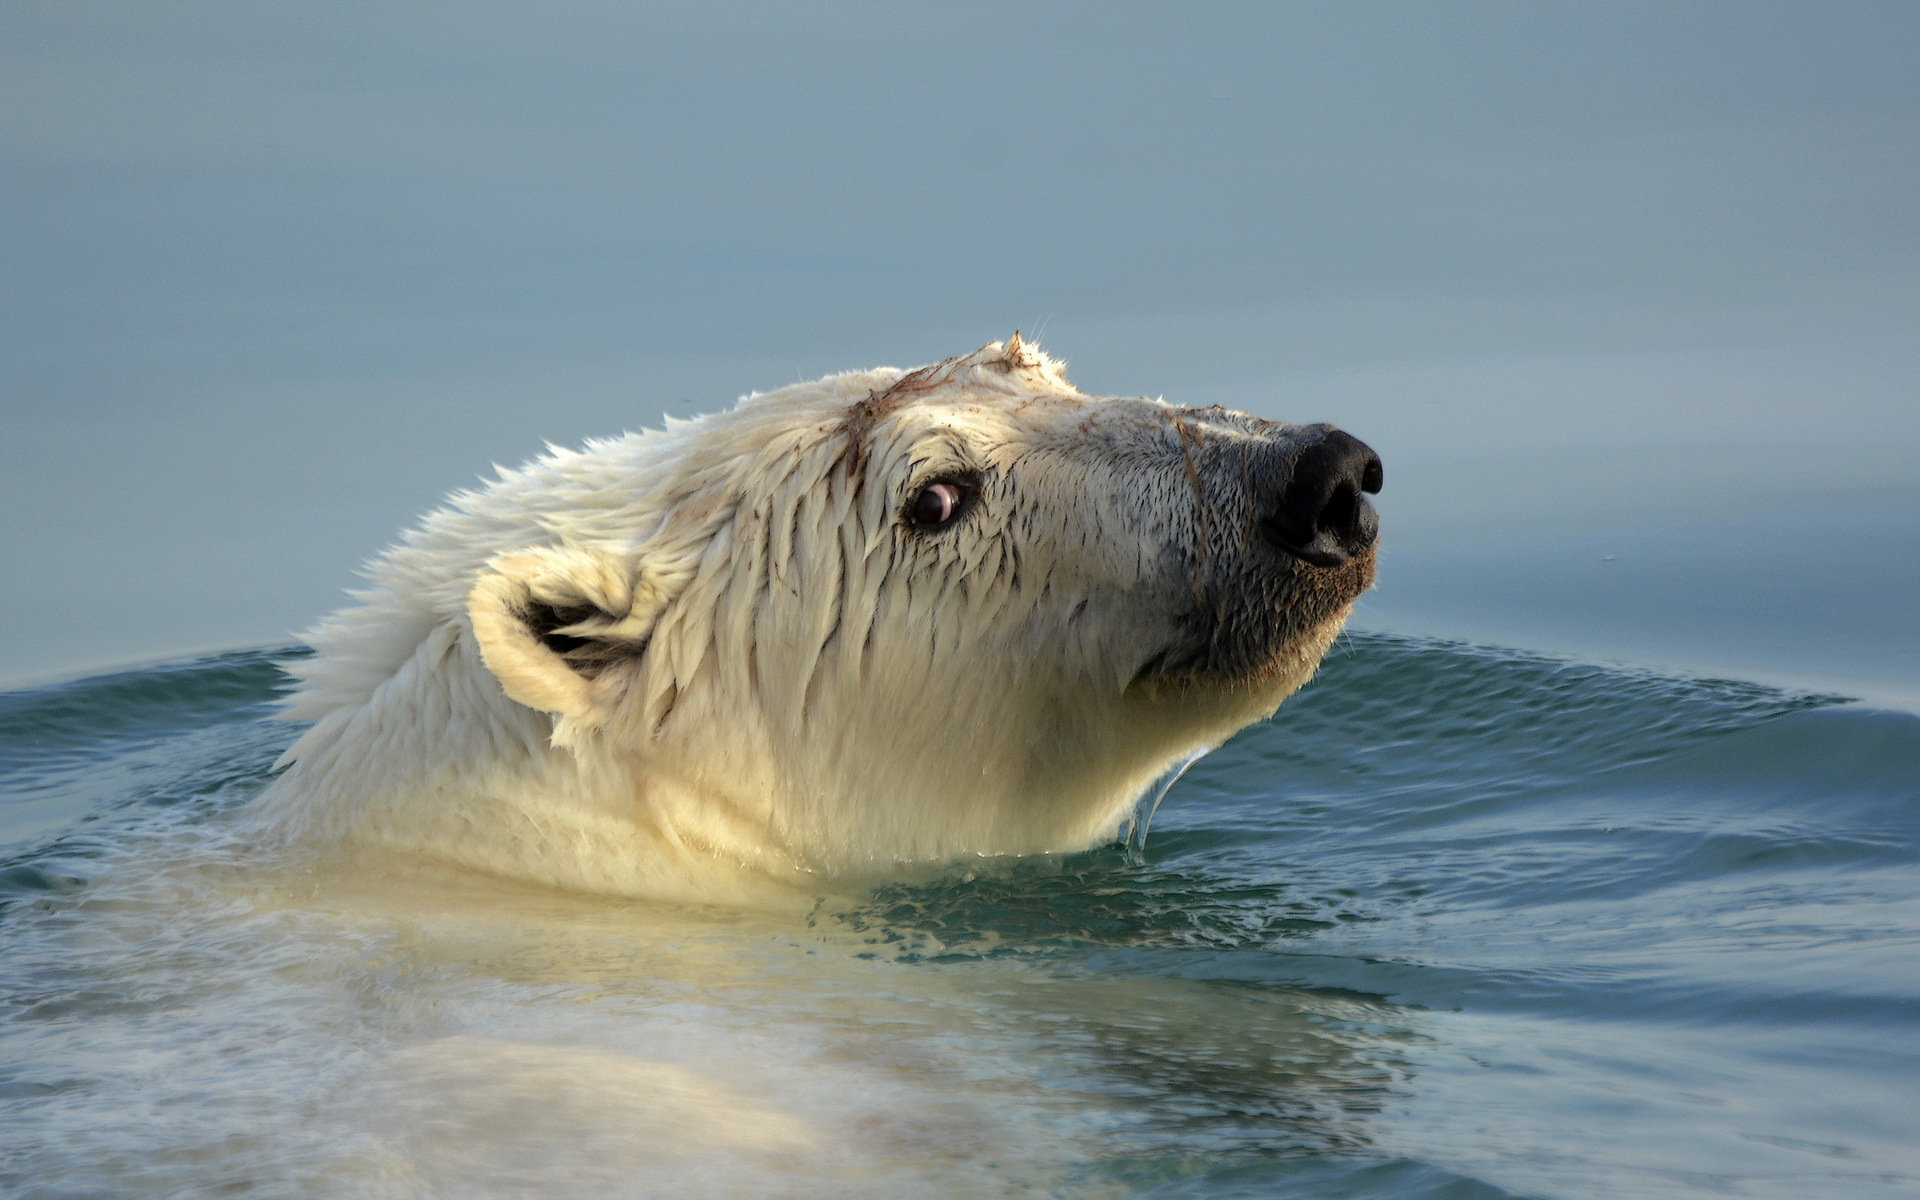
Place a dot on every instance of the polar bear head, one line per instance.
(886, 616)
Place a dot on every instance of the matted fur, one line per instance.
(675, 662)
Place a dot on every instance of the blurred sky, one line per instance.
(1635, 279)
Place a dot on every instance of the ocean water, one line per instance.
(1459, 922)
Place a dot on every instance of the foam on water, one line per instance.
(1458, 922)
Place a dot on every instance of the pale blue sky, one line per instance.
(276, 277)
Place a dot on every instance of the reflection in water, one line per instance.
(402, 1029)
(1125, 986)
(385, 1035)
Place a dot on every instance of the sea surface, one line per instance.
(1459, 922)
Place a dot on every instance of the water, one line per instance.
(1460, 922)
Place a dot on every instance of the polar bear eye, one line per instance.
(938, 504)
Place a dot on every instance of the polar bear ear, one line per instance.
(551, 622)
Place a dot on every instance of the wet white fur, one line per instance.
(803, 687)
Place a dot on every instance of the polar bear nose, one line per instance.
(1318, 513)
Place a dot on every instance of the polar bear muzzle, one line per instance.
(1278, 539)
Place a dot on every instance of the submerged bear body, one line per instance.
(883, 617)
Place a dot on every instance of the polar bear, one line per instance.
(885, 617)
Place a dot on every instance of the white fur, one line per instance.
(796, 684)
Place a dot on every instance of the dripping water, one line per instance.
(1137, 824)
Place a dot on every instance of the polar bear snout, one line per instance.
(1318, 512)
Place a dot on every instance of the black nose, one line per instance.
(1319, 515)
